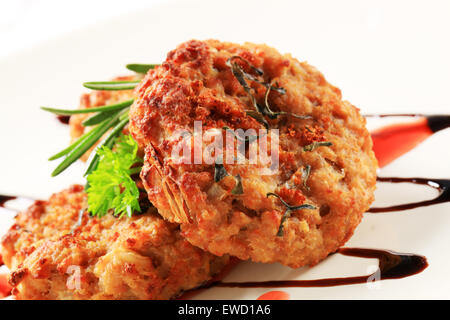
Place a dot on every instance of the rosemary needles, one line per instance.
(288, 211)
(112, 117)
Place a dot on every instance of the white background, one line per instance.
(24, 23)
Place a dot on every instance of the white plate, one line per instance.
(385, 56)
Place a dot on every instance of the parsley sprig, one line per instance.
(111, 187)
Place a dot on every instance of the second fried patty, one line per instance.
(52, 254)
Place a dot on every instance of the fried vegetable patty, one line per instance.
(54, 255)
(296, 214)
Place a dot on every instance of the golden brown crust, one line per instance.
(196, 84)
(142, 257)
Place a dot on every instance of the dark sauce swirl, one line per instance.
(63, 119)
(391, 265)
(435, 122)
(442, 185)
(4, 199)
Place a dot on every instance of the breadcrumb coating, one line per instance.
(196, 83)
(142, 257)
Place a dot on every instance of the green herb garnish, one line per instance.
(111, 187)
(260, 110)
(241, 75)
(108, 108)
(85, 142)
(273, 115)
(140, 68)
(288, 211)
(109, 184)
(109, 140)
(316, 144)
(111, 85)
(98, 118)
(113, 116)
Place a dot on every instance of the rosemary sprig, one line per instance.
(140, 68)
(113, 116)
(111, 85)
(110, 116)
(108, 141)
(98, 118)
(86, 143)
(316, 144)
(110, 184)
(111, 107)
(287, 213)
(62, 153)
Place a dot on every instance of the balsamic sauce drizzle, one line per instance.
(391, 265)
(443, 185)
(434, 122)
(63, 119)
(4, 199)
(413, 115)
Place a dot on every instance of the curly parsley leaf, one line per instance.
(111, 188)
